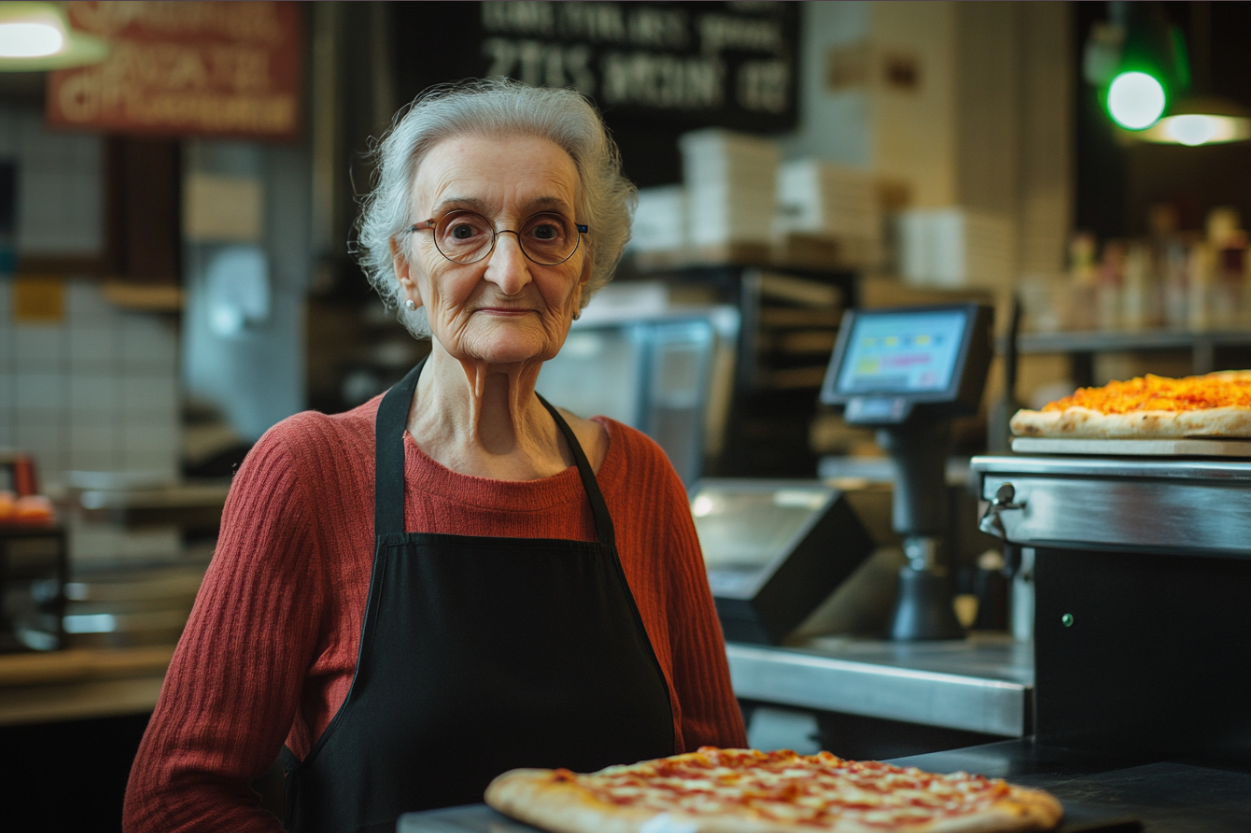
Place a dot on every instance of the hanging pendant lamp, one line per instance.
(36, 36)
(1201, 118)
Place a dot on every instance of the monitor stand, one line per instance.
(919, 451)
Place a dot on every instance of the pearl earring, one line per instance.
(410, 305)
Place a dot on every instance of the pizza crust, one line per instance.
(1083, 423)
(1022, 811)
(533, 796)
(559, 804)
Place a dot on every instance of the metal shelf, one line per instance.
(1081, 346)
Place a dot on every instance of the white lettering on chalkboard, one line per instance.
(667, 81)
(541, 64)
(762, 85)
(658, 28)
(664, 56)
(595, 22)
(522, 17)
(719, 32)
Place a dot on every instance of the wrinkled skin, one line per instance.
(493, 323)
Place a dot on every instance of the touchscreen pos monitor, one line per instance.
(891, 366)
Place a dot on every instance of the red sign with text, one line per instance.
(188, 68)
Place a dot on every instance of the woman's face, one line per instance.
(504, 308)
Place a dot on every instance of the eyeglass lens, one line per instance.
(467, 237)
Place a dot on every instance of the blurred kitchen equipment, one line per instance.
(130, 607)
(33, 564)
(141, 543)
(774, 551)
(666, 371)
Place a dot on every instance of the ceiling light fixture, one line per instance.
(1201, 118)
(36, 36)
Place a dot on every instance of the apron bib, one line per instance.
(479, 655)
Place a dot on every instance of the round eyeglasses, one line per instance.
(467, 237)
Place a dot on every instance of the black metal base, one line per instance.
(924, 609)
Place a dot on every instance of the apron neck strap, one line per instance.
(389, 453)
(389, 428)
(599, 508)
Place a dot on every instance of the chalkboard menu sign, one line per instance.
(655, 69)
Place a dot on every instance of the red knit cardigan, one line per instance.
(268, 653)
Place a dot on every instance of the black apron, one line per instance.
(479, 655)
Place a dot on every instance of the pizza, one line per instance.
(1147, 407)
(747, 791)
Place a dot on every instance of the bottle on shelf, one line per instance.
(1201, 296)
(1138, 307)
(1111, 286)
(1084, 278)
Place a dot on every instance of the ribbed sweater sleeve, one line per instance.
(664, 566)
(234, 682)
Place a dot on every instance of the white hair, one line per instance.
(494, 108)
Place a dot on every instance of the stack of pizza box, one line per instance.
(731, 190)
(817, 198)
(956, 247)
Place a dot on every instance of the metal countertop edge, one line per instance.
(1188, 469)
(794, 678)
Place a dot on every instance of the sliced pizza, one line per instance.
(747, 791)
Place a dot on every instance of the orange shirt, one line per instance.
(270, 648)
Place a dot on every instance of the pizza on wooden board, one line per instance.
(747, 791)
(1216, 405)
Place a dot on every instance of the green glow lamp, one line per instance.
(1150, 69)
(1136, 100)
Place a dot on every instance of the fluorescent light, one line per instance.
(89, 623)
(1201, 121)
(36, 36)
(30, 40)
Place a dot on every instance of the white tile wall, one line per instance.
(38, 349)
(6, 309)
(146, 346)
(96, 393)
(94, 398)
(59, 187)
(43, 390)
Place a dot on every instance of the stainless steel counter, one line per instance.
(1148, 504)
(983, 684)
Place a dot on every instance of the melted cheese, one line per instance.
(799, 789)
(1161, 393)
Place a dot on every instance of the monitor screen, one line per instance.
(902, 352)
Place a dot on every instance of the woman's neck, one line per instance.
(485, 420)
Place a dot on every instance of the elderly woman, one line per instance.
(456, 578)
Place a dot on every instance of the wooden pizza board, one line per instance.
(1184, 447)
